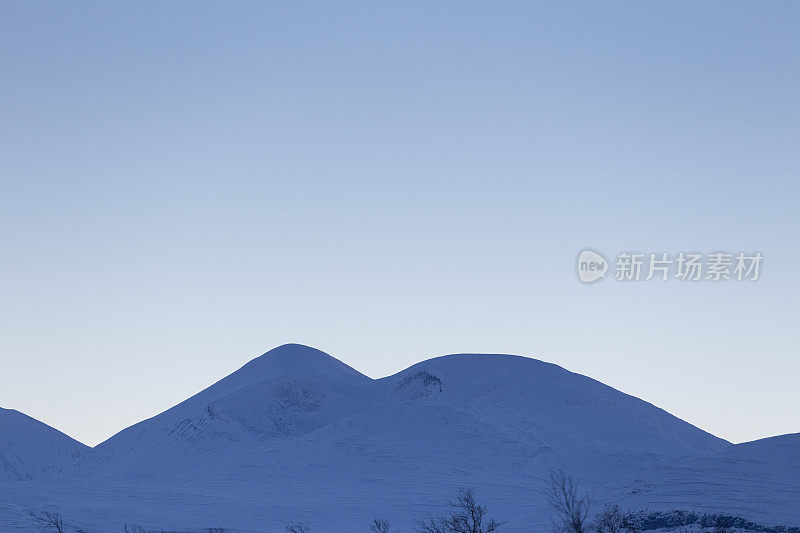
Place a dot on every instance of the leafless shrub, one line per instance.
(298, 527)
(613, 520)
(379, 525)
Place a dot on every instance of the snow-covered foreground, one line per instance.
(297, 435)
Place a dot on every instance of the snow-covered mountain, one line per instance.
(29, 448)
(295, 390)
(297, 435)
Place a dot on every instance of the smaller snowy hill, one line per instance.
(29, 448)
(758, 480)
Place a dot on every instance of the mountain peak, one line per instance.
(294, 352)
(298, 359)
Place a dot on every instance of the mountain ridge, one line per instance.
(293, 390)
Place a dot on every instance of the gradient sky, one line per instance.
(184, 186)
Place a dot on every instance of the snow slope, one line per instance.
(29, 448)
(297, 435)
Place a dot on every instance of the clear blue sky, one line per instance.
(186, 185)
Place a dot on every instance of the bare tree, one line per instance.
(298, 527)
(379, 525)
(49, 521)
(467, 516)
(571, 507)
(612, 520)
